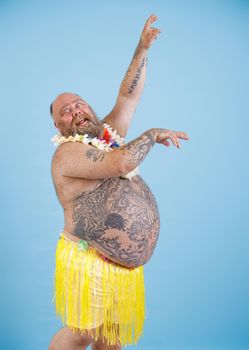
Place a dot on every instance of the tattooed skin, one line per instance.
(134, 82)
(137, 150)
(119, 218)
(94, 155)
(137, 76)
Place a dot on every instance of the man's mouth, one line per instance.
(82, 122)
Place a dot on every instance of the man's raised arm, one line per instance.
(133, 83)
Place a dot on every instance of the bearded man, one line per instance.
(111, 216)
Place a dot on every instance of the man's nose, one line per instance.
(76, 113)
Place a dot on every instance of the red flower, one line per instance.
(107, 136)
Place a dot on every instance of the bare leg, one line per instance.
(102, 345)
(66, 340)
(98, 345)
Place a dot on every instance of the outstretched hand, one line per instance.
(149, 34)
(163, 135)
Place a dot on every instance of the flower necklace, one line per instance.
(110, 140)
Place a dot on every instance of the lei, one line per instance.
(110, 140)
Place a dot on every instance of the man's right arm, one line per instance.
(75, 159)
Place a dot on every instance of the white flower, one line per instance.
(58, 139)
(131, 174)
(95, 142)
(77, 137)
(85, 139)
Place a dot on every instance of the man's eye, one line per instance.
(65, 111)
(78, 105)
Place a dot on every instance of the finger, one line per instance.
(176, 141)
(185, 137)
(173, 139)
(166, 143)
(181, 135)
(150, 20)
(151, 36)
(156, 30)
(154, 33)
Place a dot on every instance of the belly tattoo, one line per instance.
(119, 218)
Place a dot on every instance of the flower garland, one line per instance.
(110, 140)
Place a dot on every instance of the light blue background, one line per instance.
(197, 82)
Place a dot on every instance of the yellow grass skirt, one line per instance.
(97, 297)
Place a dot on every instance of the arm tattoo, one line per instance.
(137, 76)
(94, 155)
(127, 76)
(139, 70)
(136, 150)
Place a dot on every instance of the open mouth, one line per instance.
(82, 122)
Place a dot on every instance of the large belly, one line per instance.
(120, 218)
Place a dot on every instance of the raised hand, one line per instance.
(149, 34)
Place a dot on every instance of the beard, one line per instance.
(92, 129)
(87, 124)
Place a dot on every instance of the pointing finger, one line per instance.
(150, 20)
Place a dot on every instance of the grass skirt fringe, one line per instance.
(98, 298)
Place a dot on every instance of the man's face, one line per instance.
(73, 115)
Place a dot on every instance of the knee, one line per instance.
(53, 345)
(66, 339)
(99, 345)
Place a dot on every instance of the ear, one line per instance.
(55, 125)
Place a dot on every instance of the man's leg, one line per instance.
(98, 345)
(66, 340)
(102, 345)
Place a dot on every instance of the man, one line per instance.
(111, 220)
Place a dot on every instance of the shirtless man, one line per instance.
(116, 216)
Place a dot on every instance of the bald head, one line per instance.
(60, 97)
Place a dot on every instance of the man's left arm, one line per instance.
(133, 83)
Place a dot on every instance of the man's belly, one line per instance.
(120, 219)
